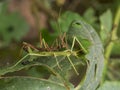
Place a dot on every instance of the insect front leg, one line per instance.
(29, 54)
(20, 60)
(73, 44)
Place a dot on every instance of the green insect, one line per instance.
(80, 32)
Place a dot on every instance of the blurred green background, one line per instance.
(23, 20)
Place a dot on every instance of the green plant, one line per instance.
(12, 25)
(59, 70)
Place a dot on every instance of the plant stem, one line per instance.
(113, 36)
(108, 49)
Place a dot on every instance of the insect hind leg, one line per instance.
(72, 65)
(57, 61)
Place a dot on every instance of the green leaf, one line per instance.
(82, 30)
(64, 22)
(22, 65)
(113, 85)
(64, 64)
(29, 83)
(66, 19)
(12, 26)
(48, 63)
(106, 25)
(49, 37)
(89, 15)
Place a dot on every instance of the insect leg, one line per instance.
(75, 38)
(72, 65)
(57, 62)
(81, 45)
(73, 43)
(20, 60)
(24, 47)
